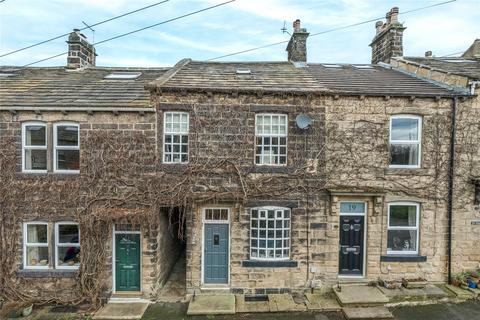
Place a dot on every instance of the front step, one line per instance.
(359, 296)
(368, 313)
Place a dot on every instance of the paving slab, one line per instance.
(284, 302)
(404, 294)
(459, 292)
(359, 295)
(368, 313)
(212, 304)
(476, 292)
(252, 306)
(320, 302)
(121, 311)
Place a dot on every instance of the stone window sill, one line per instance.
(403, 258)
(47, 273)
(406, 171)
(54, 175)
(270, 169)
(269, 264)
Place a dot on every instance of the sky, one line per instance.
(237, 26)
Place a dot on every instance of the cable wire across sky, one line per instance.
(327, 31)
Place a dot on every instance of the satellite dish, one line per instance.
(303, 121)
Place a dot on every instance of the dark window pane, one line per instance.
(184, 139)
(35, 135)
(402, 240)
(176, 139)
(184, 148)
(176, 148)
(404, 154)
(283, 160)
(68, 233)
(168, 138)
(283, 141)
(69, 256)
(67, 136)
(35, 159)
(168, 158)
(403, 216)
(37, 233)
(184, 157)
(37, 256)
(68, 159)
(254, 214)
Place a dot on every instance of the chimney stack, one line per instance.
(81, 53)
(388, 40)
(297, 46)
(428, 54)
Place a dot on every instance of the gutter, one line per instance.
(451, 172)
(74, 109)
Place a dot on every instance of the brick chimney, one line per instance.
(388, 40)
(297, 46)
(81, 53)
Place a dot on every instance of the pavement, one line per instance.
(121, 311)
(469, 310)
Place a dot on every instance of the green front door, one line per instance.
(127, 262)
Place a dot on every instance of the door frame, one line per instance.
(364, 215)
(204, 222)
(114, 264)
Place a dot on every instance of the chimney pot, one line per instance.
(428, 54)
(296, 25)
(394, 15)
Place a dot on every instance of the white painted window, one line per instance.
(67, 245)
(35, 245)
(403, 226)
(270, 233)
(34, 147)
(405, 141)
(271, 131)
(66, 147)
(175, 137)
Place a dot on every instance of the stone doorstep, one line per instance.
(284, 302)
(459, 292)
(319, 302)
(212, 304)
(121, 311)
(367, 313)
(355, 295)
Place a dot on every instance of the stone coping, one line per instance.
(48, 273)
(403, 258)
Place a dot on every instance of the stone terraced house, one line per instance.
(272, 176)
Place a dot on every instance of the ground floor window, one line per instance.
(36, 245)
(270, 233)
(403, 222)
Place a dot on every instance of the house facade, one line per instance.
(272, 176)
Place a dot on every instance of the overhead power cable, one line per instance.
(141, 29)
(327, 31)
(92, 25)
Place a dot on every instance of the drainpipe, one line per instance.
(451, 172)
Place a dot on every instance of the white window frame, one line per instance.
(266, 208)
(416, 228)
(35, 244)
(65, 244)
(181, 133)
(271, 135)
(56, 147)
(25, 147)
(411, 142)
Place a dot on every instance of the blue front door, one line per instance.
(216, 253)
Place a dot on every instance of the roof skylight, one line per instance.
(243, 71)
(458, 60)
(7, 74)
(123, 75)
(331, 65)
(363, 66)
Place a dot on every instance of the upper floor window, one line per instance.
(405, 141)
(403, 222)
(270, 233)
(271, 132)
(66, 141)
(175, 137)
(34, 147)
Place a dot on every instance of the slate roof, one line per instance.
(461, 66)
(285, 77)
(58, 87)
